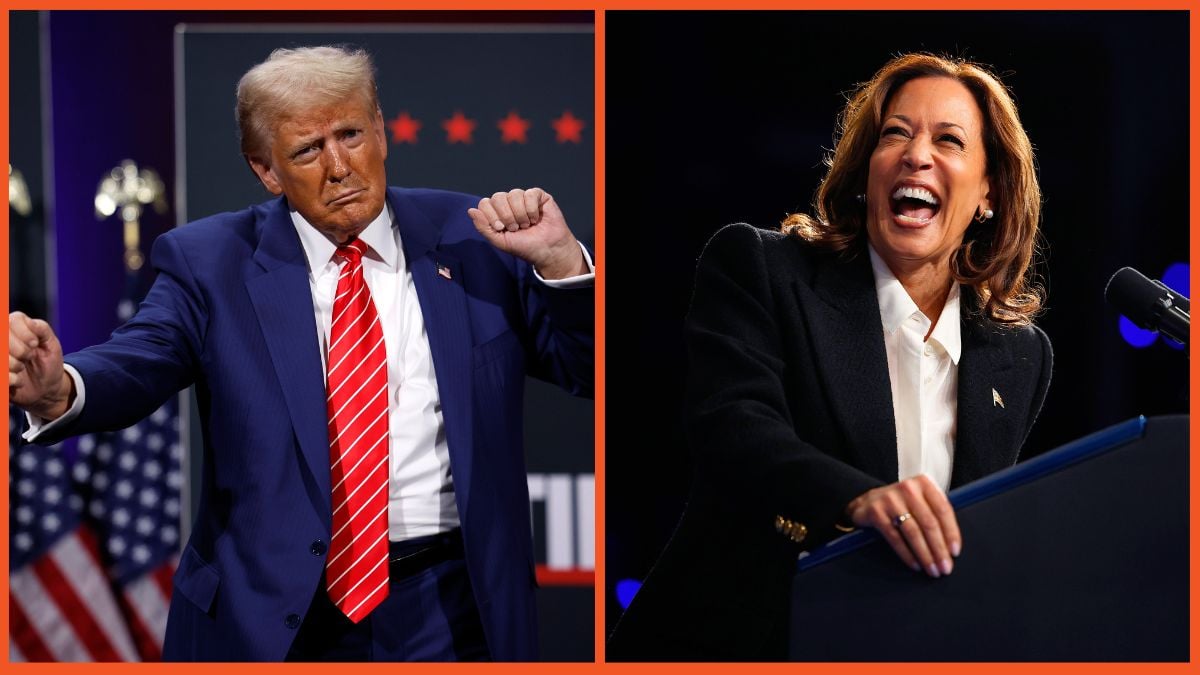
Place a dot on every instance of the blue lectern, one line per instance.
(1080, 554)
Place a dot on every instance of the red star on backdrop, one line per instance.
(568, 128)
(458, 128)
(513, 128)
(404, 128)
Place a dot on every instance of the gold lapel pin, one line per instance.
(996, 400)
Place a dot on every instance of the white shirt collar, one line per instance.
(380, 236)
(948, 331)
(895, 306)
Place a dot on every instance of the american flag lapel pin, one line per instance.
(996, 400)
(443, 271)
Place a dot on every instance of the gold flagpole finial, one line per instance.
(18, 192)
(128, 190)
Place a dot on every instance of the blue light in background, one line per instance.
(626, 589)
(1135, 336)
(1176, 277)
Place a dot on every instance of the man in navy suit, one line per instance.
(471, 295)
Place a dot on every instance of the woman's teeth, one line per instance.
(918, 193)
(914, 206)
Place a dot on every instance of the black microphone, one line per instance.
(1149, 304)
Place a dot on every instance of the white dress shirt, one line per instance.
(421, 488)
(923, 374)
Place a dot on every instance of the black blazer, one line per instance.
(790, 417)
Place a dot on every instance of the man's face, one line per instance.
(328, 162)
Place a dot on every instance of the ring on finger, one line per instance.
(899, 520)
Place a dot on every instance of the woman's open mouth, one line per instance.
(914, 206)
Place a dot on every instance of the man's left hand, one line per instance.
(529, 225)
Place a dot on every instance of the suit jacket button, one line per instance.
(292, 621)
(317, 548)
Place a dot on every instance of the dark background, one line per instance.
(721, 117)
(89, 89)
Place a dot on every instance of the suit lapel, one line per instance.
(438, 278)
(847, 336)
(282, 300)
(985, 374)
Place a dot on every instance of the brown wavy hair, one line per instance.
(995, 256)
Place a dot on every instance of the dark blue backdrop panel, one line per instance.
(26, 231)
(431, 73)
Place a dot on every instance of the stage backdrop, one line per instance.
(90, 89)
(735, 128)
(474, 109)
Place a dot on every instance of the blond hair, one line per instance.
(299, 79)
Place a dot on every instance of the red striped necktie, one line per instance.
(356, 573)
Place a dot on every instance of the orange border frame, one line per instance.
(599, 6)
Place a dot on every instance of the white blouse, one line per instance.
(923, 374)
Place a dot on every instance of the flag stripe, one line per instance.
(90, 544)
(24, 636)
(46, 617)
(94, 542)
(164, 576)
(74, 610)
(147, 600)
(80, 555)
(147, 646)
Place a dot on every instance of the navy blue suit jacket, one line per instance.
(231, 312)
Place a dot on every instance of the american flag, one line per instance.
(94, 540)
